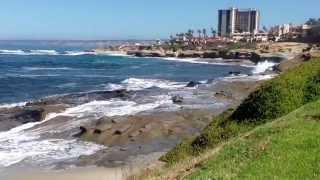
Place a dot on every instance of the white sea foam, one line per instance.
(135, 84)
(46, 68)
(113, 107)
(12, 52)
(42, 52)
(261, 67)
(49, 52)
(188, 60)
(79, 53)
(24, 143)
(138, 84)
(12, 105)
(115, 54)
(244, 77)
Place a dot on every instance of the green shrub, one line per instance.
(312, 89)
(275, 98)
(282, 95)
(180, 152)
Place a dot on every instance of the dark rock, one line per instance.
(114, 121)
(177, 99)
(83, 130)
(236, 73)
(117, 132)
(193, 84)
(223, 94)
(306, 57)
(122, 93)
(97, 131)
(122, 130)
(211, 54)
(255, 57)
(29, 115)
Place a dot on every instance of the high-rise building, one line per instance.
(235, 20)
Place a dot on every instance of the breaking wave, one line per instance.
(135, 84)
(41, 52)
(262, 67)
(25, 144)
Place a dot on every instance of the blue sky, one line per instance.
(133, 19)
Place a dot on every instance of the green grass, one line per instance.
(282, 94)
(274, 99)
(287, 148)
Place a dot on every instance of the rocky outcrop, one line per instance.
(193, 84)
(177, 99)
(10, 118)
(36, 111)
(225, 54)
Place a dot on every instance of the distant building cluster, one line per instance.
(291, 32)
(235, 21)
(243, 25)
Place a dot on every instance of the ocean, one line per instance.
(34, 70)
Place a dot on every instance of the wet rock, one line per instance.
(177, 99)
(97, 131)
(83, 130)
(193, 84)
(223, 94)
(235, 73)
(306, 57)
(29, 114)
(210, 54)
(122, 93)
(122, 130)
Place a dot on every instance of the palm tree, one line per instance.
(214, 32)
(190, 34)
(199, 33)
(204, 32)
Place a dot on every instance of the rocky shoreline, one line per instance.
(275, 52)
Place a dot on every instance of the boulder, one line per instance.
(235, 73)
(177, 99)
(29, 114)
(210, 54)
(83, 130)
(193, 84)
(97, 131)
(122, 130)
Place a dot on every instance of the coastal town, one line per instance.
(238, 36)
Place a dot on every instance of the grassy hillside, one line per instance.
(274, 99)
(288, 148)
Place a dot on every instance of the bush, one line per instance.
(274, 99)
(180, 152)
(282, 95)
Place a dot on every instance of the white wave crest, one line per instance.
(139, 84)
(43, 52)
(79, 53)
(135, 84)
(46, 68)
(12, 52)
(12, 105)
(25, 143)
(113, 107)
(262, 67)
(188, 60)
